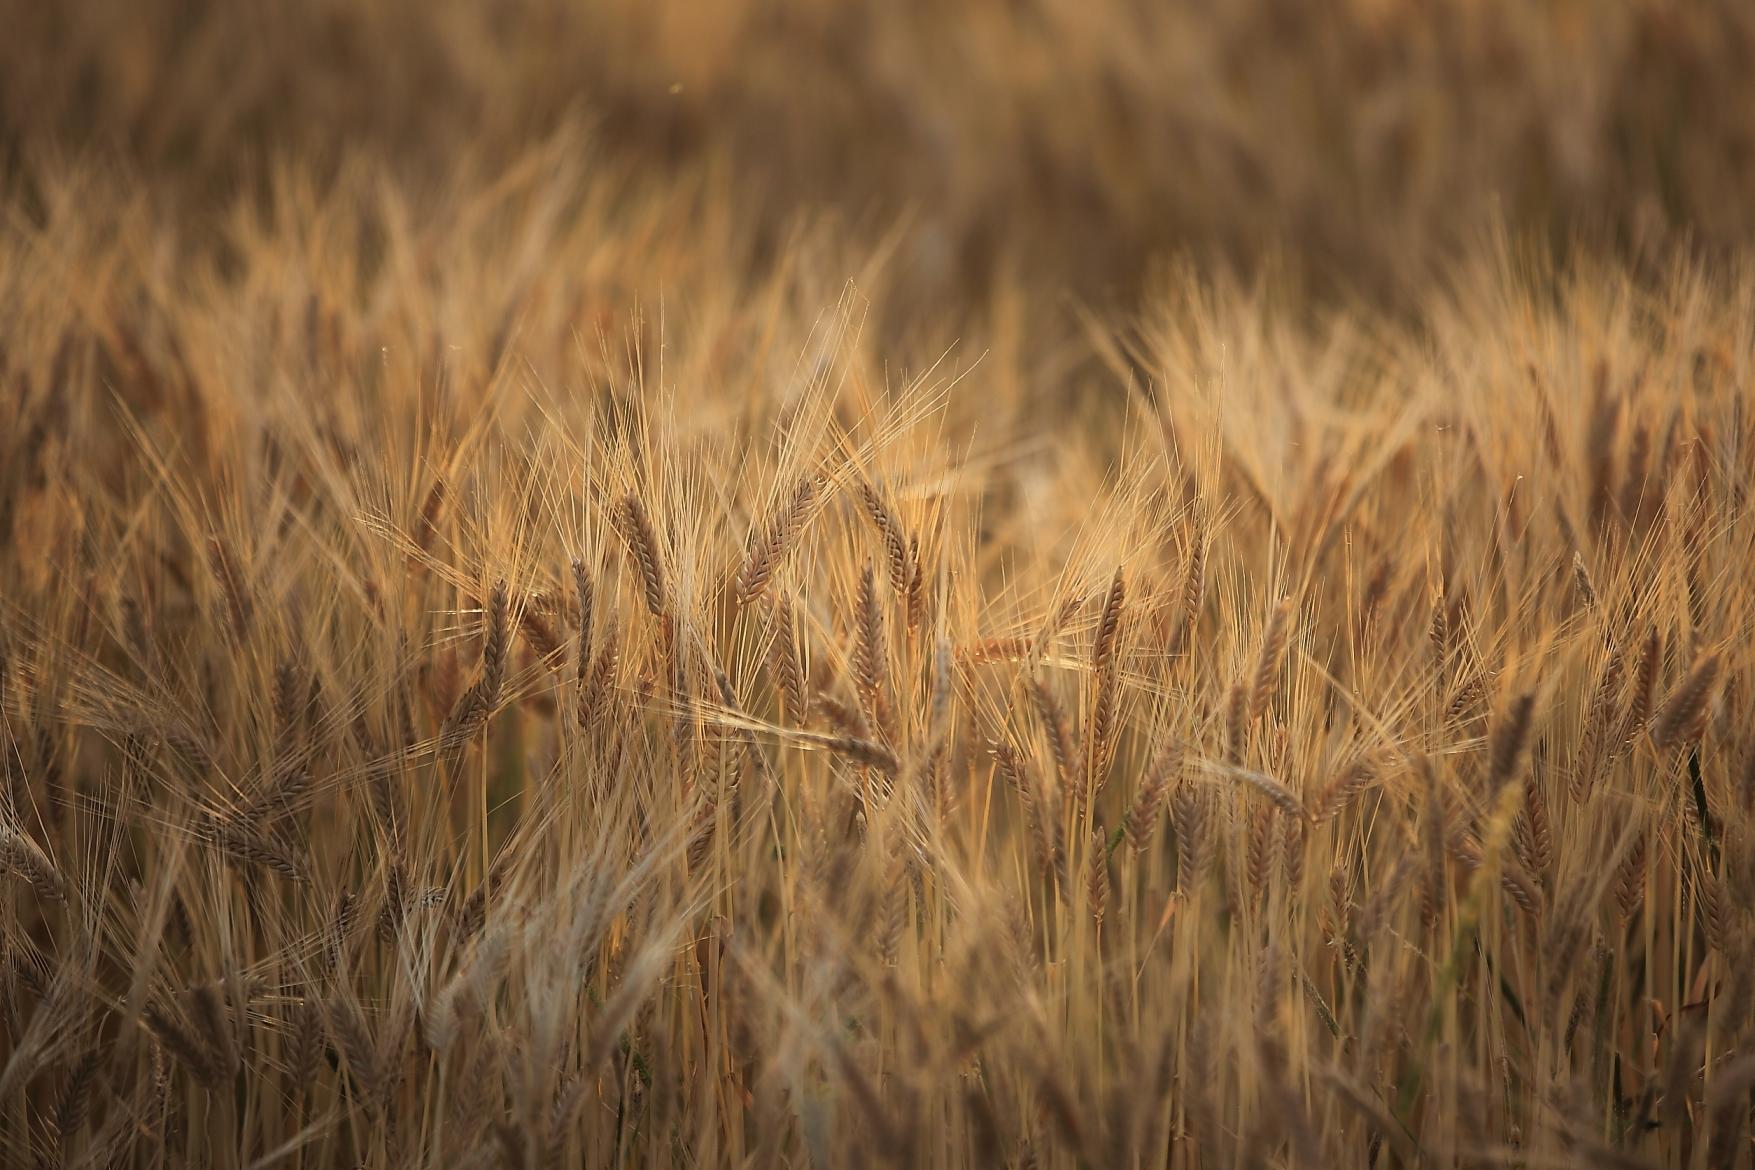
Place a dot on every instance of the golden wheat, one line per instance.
(542, 658)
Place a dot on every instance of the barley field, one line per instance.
(794, 583)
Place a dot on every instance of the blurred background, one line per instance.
(1355, 147)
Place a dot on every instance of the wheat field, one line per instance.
(610, 586)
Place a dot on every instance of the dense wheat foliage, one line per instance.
(529, 639)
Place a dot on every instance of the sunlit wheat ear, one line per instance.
(353, 1039)
(1236, 717)
(642, 539)
(847, 718)
(864, 752)
(751, 755)
(1142, 816)
(72, 1107)
(1587, 592)
(943, 684)
(306, 1045)
(1097, 875)
(1261, 842)
(1194, 578)
(476, 703)
(1645, 681)
(1268, 663)
(394, 908)
(338, 932)
(1061, 741)
(1105, 671)
(1438, 635)
(1510, 738)
(787, 663)
(245, 844)
(771, 544)
(1687, 706)
(1276, 793)
(916, 600)
(1039, 815)
(1533, 834)
(894, 538)
(18, 852)
(288, 697)
(536, 626)
(1467, 696)
(1717, 915)
(1293, 851)
(871, 669)
(595, 688)
(234, 589)
(169, 1028)
(1342, 789)
(1191, 815)
(1597, 749)
(213, 1020)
